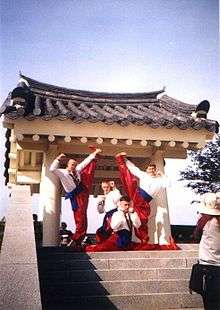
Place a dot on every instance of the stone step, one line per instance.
(46, 255)
(145, 301)
(189, 246)
(119, 274)
(124, 263)
(54, 249)
(99, 288)
(117, 280)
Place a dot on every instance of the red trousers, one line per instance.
(80, 214)
(142, 207)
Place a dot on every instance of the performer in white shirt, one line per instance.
(77, 181)
(151, 183)
(107, 204)
(123, 222)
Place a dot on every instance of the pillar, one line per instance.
(13, 159)
(163, 230)
(50, 197)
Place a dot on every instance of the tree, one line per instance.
(203, 171)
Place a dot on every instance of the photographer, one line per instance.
(208, 229)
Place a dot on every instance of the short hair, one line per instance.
(35, 217)
(71, 159)
(152, 165)
(125, 198)
(105, 181)
(63, 225)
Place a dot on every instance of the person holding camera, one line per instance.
(205, 277)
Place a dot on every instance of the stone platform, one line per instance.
(117, 280)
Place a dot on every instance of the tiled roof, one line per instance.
(48, 102)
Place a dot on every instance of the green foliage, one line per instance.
(203, 172)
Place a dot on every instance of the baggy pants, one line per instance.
(80, 214)
(105, 231)
(142, 207)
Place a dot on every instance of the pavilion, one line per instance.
(44, 120)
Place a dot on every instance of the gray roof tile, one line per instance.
(48, 101)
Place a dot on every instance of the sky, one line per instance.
(114, 46)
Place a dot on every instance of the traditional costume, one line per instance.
(153, 186)
(107, 205)
(123, 236)
(139, 197)
(123, 225)
(77, 186)
(154, 217)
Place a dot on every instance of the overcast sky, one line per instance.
(123, 46)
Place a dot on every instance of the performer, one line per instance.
(107, 204)
(77, 181)
(151, 182)
(123, 222)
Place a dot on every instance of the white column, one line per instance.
(50, 198)
(163, 229)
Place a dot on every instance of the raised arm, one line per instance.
(133, 169)
(135, 219)
(87, 160)
(116, 195)
(54, 168)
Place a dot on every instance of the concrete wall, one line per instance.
(19, 284)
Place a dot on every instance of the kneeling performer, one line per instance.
(123, 223)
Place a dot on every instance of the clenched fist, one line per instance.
(61, 156)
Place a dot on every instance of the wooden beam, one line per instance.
(106, 150)
(8, 125)
(106, 174)
(173, 152)
(31, 146)
(13, 165)
(21, 159)
(87, 129)
(28, 177)
(33, 159)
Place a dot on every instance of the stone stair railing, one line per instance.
(19, 281)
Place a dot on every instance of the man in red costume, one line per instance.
(151, 182)
(140, 200)
(77, 181)
(123, 223)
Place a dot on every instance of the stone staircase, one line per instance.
(117, 280)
